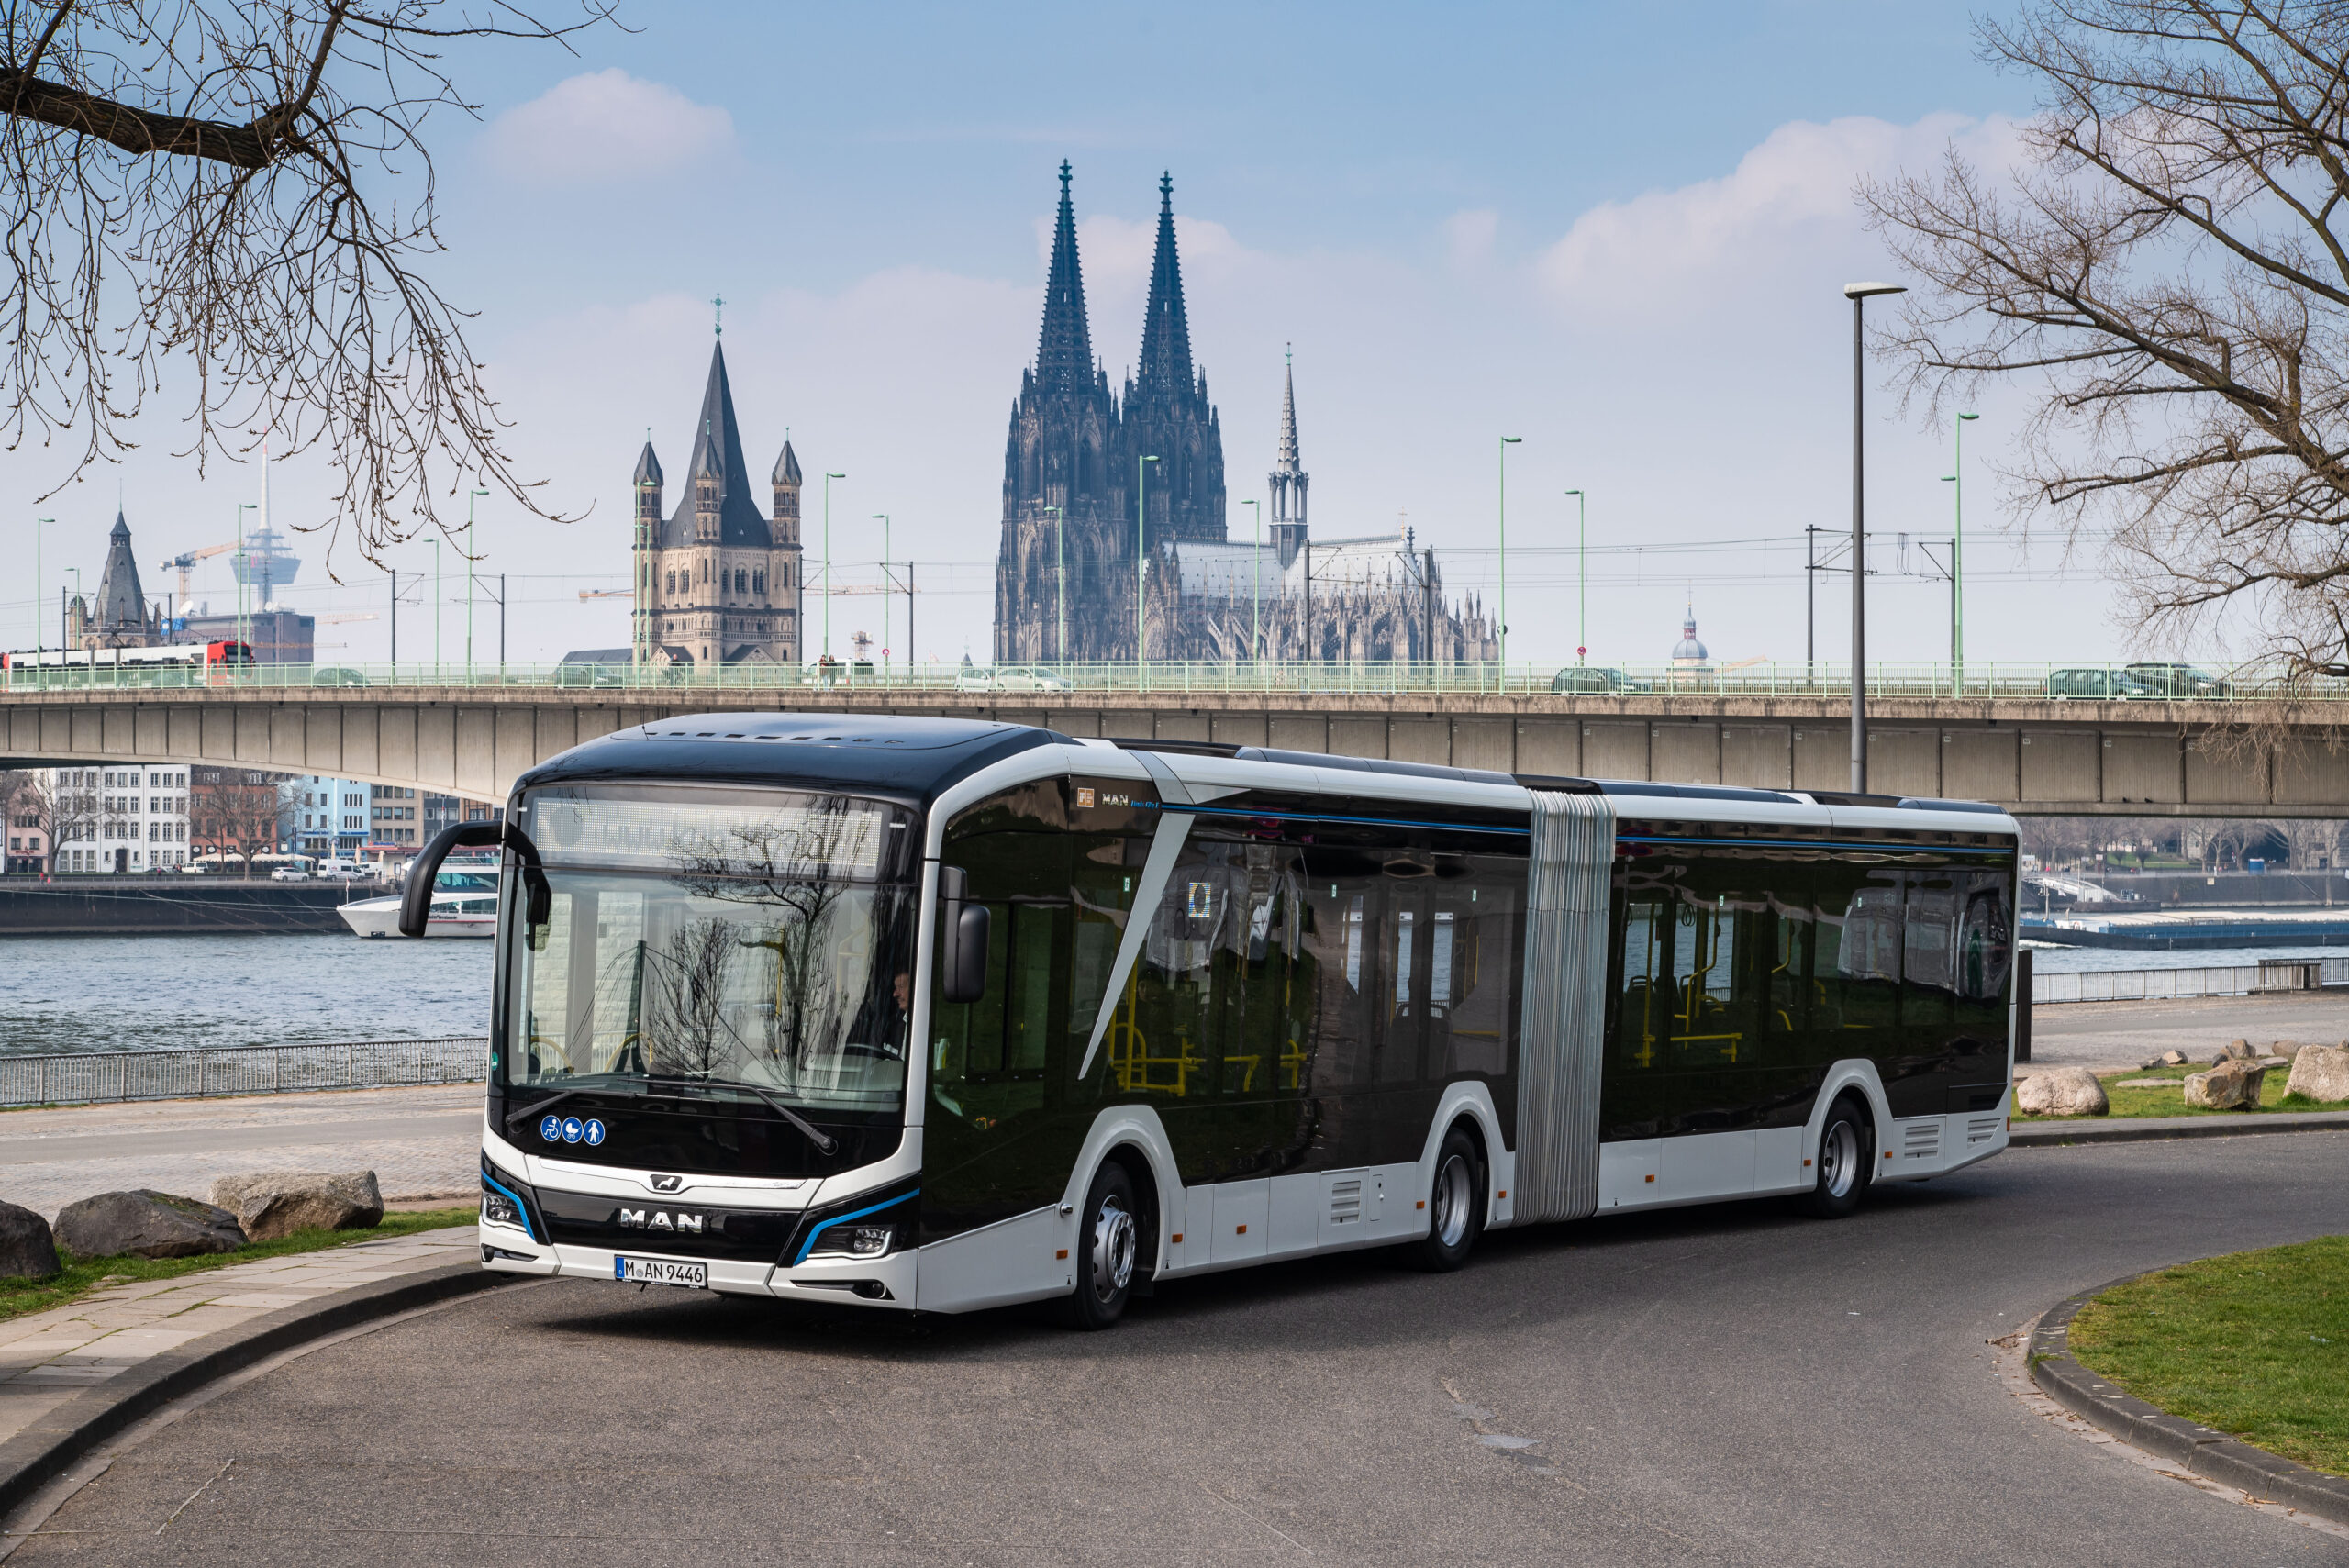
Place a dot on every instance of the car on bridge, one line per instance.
(1008, 678)
(2100, 685)
(2182, 680)
(337, 675)
(1594, 680)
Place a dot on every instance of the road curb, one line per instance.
(2202, 1450)
(2138, 1129)
(36, 1455)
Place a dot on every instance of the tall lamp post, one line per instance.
(1141, 564)
(1859, 294)
(1507, 443)
(1060, 577)
(243, 565)
(883, 519)
(1582, 573)
(472, 562)
(828, 563)
(1256, 593)
(40, 632)
(1957, 559)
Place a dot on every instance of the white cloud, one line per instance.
(1788, 202)
(605, 126)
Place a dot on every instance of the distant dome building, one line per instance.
(1689, 650)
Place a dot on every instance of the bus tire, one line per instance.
(1455, 1207)
(1108, 1240)
(1846, 1146)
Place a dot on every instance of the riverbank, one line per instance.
(172, 906)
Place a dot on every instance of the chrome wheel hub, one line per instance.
(1113, 1248)
(1839, 1159)
(1454, 1193)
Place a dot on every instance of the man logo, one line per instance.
(667, 1183)
(681, 1223)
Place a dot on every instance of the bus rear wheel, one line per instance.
(1455, 1207)
(1108, 1237)
(1843, 1149)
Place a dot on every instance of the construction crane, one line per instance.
(182, 564)
(342, 615)
(587, 593)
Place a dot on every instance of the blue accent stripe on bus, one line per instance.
(809, 1245)
(527, 1229)
(1820, 844)
(1361, 821)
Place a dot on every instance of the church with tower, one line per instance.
(1106, 492)
(717, 580)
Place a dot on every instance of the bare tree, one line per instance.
(233, 811)
(239, 193)
(2167, 262)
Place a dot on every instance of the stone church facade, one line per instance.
(716, 582)
(1086, 471)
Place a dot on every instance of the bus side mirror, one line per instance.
(961, 938)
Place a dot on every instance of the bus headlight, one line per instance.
(496, 1208)
(855, 1241)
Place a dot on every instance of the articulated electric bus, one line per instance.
(939, 1014)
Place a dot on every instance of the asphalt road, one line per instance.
(1719, 1386)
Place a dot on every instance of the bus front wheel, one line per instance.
(1108, 1237)
(1455, 1207)
(1842, 1170)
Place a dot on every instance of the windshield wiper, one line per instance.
(822, 1142)
(535, 1106)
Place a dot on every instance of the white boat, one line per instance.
(465, 904)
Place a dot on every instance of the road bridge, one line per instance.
(2208, 758)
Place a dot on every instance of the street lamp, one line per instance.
(39, 587)
(1507, 443)
(1859, 294)
(1957, 558)
(1142, 561)
(440, 676)
(828, 563)
(1582, 569)
(1256, 593)
(471, 562)
(242, 564)
(883, 519)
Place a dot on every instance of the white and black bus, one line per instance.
(939, 1015)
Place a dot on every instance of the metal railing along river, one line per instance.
(95, 1077)
(1975, 679)
(2169, 984)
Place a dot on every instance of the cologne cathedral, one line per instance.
(1086, 470)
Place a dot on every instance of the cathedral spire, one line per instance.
(717, 454)
(1064, 351)
(1166, 332)
(1288, 476)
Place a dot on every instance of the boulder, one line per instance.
(2230, 1086)
(146, 1224)
(28, 1251)
(2172, 1058)
(270, 1204)
(2062, 1091)
(2236, 1050)
(2321, 1072)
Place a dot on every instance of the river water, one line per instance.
(77, 993)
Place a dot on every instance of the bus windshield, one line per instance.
(756, 941)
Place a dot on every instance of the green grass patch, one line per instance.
(80, 1276)
(2172, 1101)
(2254, 1343)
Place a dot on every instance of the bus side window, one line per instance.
(1644, 1020)
(1473, 999)
(1343, 940)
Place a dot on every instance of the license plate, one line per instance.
(660, 1271)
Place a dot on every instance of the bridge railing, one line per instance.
(1975, 679)
(93, 1077)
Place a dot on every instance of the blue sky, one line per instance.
(1616, 231)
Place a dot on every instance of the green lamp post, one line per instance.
(1507, 443)
(1582, 574)
(1141, 565)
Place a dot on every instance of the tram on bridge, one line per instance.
(937, 1015)
(163, 664)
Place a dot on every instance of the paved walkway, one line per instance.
(419, 1142)
(46, 1358)
(2108, 1037)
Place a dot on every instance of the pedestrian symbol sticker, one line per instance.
(595, 1133)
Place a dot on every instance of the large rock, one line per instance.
(2236, 1050)
(2230, 1086)
(270, 1204)
(2172, 1058)
(28, 1251)
(2062, 1091)
(2319, 1072)
(145, 1225)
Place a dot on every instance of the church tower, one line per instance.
(1289, 477)
(121, 617)
(1061, 539)
(720, 585)
(1167, 414)
(647, 482)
